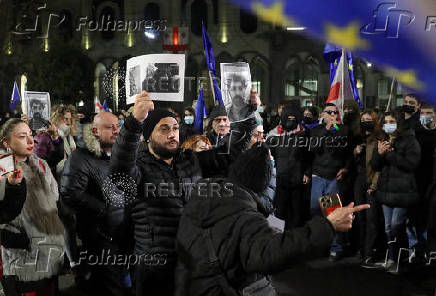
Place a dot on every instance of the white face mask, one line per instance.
(389, 128)
(65, 129)
(260, 109)
(426, 119)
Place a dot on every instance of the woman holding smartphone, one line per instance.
(34, 265)
(396, 158)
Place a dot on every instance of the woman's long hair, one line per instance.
(58, 113)
(400, 123)
(377, 132)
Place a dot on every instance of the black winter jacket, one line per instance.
(396, 186)
(331, 151)
(99, 225)
(164, 189)
(246, 246)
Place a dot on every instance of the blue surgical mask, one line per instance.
(121, 122)
(426, 119)
(389, 128)
(260, 109)
(189, 120)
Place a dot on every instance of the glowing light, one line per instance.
(369, 65)
(81, 103)
(295, 28)
(224, 34)
(46, 45)
(86, 43)
(150, 35)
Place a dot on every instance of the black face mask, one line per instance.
(308, 120)
(408, 109)
(348, 117)
(367, 126)
(290, 125)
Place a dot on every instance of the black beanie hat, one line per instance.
(218, 110)
(153, 118)
(252, 169)
(291, 111)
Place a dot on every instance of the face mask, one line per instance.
(308, 120)
(260, 109)
(408, 109)
(189, 120)
(389, 128)
(290, 125)
(367, 125)
(65, 129)
(426, 119)
(121, 122)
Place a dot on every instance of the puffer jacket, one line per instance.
(246, 246)
(163, 189)
(99, 224)
(396, 185)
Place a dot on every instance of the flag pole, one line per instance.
(388, 107)
(342, 82)
(212, 86)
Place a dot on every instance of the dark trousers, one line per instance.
(375, 238)
(107, 280)
(358, 232)
(431, 233)
(13, 287)
(154, 281)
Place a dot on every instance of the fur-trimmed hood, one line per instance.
(91, 141)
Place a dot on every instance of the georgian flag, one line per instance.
(97, 105)
(176, 40)
(340, 89)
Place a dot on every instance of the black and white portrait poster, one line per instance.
(37, 108)
(235, 87)
(161, 75)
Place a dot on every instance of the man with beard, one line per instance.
(240, 108)
(164, 175)
(37, 122)
(101, 226)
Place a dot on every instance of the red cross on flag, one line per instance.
(176, 40)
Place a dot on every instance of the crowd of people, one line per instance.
(143, 203)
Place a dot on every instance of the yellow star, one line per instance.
(274, 13)
(348, 37)
(406, 77)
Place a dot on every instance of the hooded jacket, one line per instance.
(99, 224)
(246, 246)
(396, 185)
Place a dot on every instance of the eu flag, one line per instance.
(210, 60)
(396, 36)
(106, 107)
(15, 98)
(200, 112)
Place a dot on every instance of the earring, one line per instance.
(8, 150)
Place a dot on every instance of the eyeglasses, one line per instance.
(331, 112)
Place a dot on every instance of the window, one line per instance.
(248, 22)
(198, 14)
(100, 72)
(152, 12)
(256, 85)
(107, 17)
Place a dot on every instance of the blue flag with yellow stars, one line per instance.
(397, 36)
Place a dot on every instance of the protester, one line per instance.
(187, 128)
(219, 125)
(396, 158)
(275, 119)
(225, 244)
(257, 136)
(156, 212)
(290, 152)
(331, 161)
(99, 220)
(310, 119)
(367, 223)
(197, 143)
(40, 230)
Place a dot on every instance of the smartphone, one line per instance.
(7, 163)
(329, 203)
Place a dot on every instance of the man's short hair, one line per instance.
(329, 105)
(237, 78)
(428, 107)
(416, 97)
(33, 102)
